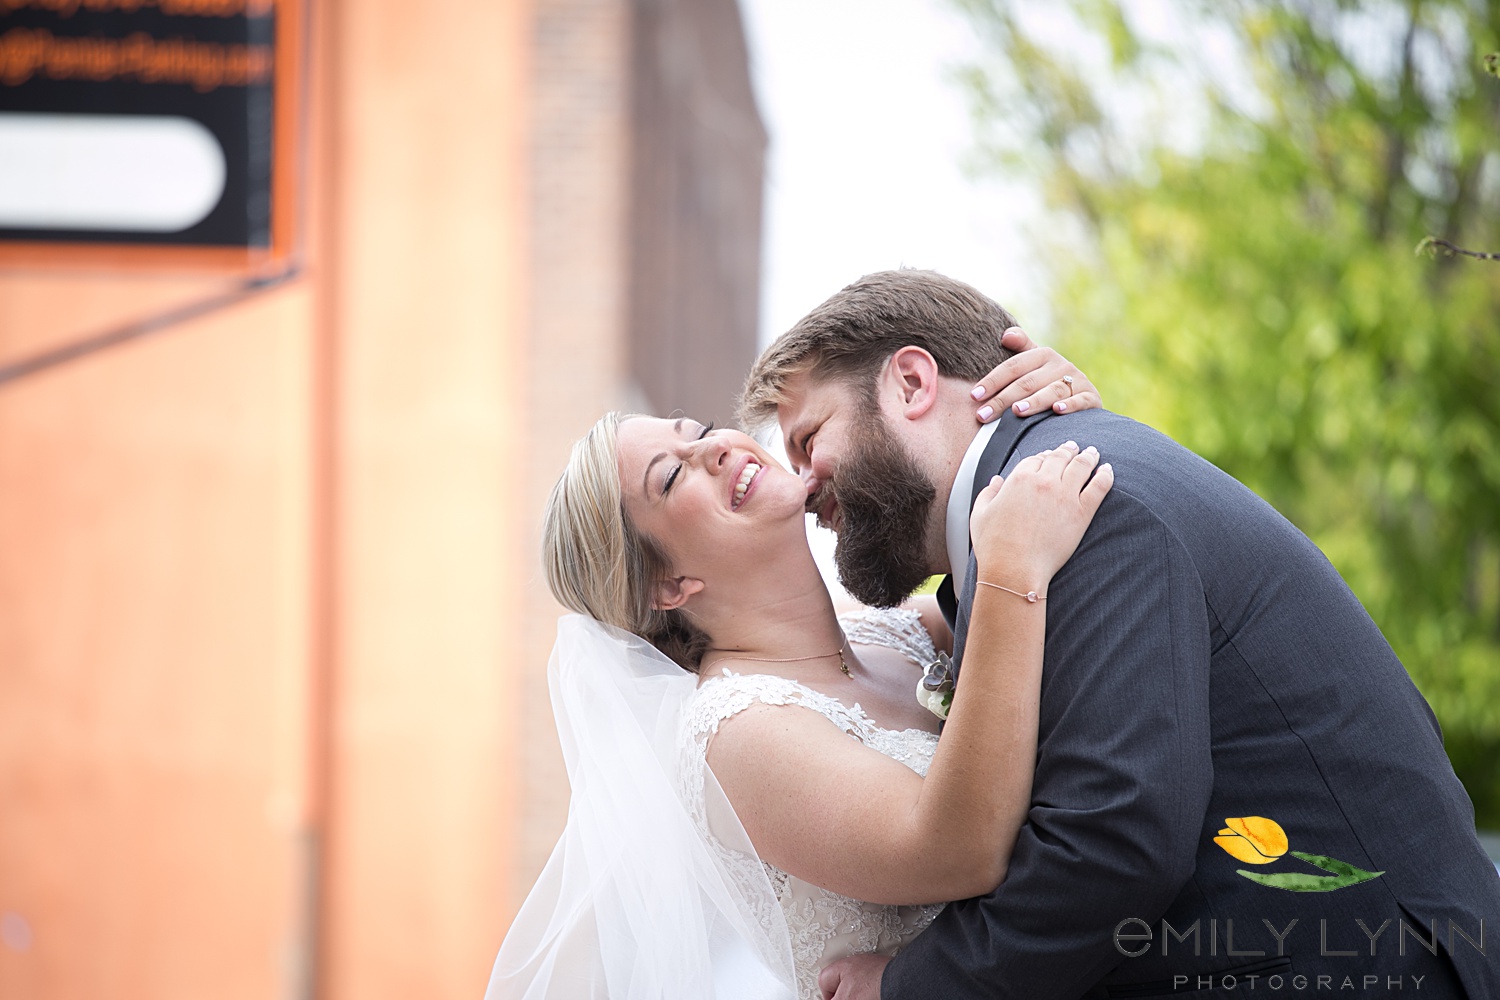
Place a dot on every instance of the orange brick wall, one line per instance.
(153, 662)
(426, 279)
(259, 581)
(273, 630)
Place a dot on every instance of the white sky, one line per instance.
(868, 135)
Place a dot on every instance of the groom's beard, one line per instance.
(884, 499)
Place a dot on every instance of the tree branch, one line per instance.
(1431, 246)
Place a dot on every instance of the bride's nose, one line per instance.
(713, 451)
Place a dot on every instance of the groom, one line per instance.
(1237, 786)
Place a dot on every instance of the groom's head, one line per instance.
(871, 390)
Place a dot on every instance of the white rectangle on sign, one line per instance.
(119, 173)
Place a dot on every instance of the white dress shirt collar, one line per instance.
(958, 506)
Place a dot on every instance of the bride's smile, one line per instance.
(744, 482)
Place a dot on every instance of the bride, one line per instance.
(758, 784)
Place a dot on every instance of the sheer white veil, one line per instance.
(637, 900)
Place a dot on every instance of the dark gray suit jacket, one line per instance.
(1205, 661)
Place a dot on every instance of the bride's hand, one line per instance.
(1025, 527)
(854, 978)
(1031, 381)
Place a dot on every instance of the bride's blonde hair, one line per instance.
(598, 563)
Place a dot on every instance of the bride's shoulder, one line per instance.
(729, 694)
(906, 629)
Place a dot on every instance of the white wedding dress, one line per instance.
(654, 891)
(825, 926)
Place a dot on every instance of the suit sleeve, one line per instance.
(1122, 780)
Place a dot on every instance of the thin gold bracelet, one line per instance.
(1030, 595)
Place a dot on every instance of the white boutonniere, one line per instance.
(935, 689)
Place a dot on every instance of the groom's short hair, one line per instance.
(851, 335)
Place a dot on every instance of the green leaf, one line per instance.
(1337, 867)
(1344, 875)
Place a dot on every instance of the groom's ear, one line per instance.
(914, 373)
(674, 592)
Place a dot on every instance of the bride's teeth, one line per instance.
(745, 477)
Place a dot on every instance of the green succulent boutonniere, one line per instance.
(935, 689)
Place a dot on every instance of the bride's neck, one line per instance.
(775, 615)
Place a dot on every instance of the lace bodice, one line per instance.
(824, 925)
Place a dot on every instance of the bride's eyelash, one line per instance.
(672, 476)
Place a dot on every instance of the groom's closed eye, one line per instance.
(807, 443)
(799, 449)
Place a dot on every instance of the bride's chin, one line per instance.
(777, 503)
(786, 532)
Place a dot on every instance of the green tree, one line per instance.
(1234, 200)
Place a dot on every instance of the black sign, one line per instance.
(140, 121)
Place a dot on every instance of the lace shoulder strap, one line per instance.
(900, 629)
(722, 698)
(726, 696)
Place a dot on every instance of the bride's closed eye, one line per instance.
(672, 476)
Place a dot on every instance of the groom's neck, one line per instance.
(940, 444)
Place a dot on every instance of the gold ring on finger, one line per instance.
(1068, 381)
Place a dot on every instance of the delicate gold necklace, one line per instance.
(843, 664)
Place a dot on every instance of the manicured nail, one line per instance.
(1106, 465)
(1013, 329)
(1070, 444)
(1091, 450)
(1061, 407)
(977, 392)
(1022, 406)
(985, 412)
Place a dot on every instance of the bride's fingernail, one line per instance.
(985, 412)
(1061, 407)
(1022, 406)
(977, 392)
(1070, 444)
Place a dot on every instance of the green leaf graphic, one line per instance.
(1344, 874)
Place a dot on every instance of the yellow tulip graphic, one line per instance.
(1254, 840)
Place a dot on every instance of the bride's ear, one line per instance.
(674, 592)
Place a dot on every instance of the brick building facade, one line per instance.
(273, 630)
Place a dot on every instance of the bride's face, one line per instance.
(712, 499)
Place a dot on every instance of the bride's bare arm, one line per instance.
(838, 814)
